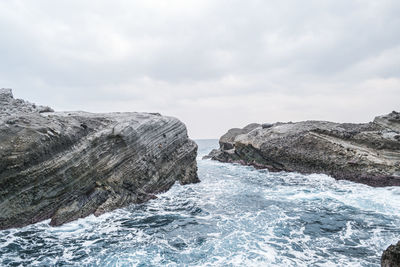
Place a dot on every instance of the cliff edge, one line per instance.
(68, 165)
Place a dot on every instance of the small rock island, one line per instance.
(67, 165)
(367, 153)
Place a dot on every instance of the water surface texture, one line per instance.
(237, 216)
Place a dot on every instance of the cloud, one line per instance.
(214, 64)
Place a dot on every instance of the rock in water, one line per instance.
(68, 165)
(391, 256)
(367, 153)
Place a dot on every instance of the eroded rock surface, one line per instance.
(391, 256)
(68, 165)
(367, 153)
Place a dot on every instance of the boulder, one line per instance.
(226, 141)
(391, 256)
(67, 165)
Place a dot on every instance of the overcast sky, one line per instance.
(213, 64)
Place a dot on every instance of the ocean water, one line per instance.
(237, 216)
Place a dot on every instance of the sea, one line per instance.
(236, 216)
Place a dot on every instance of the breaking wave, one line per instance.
(237, 216)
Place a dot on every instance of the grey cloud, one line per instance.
(226, 63)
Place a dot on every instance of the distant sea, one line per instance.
(237, 216)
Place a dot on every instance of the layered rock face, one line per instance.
(391, 256)
(366, 153)
(68, 165)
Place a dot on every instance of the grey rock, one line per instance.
(227, 140)
(5, 94)
(68, 165)
(367, 153)
(266, 125)
(10, 106)
(391, 256)
(212, 154)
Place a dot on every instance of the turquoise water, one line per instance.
(237, 216)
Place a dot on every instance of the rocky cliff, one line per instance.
(367, 153)
(68, 165)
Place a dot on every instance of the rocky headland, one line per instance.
(67, 165)
(367, 153)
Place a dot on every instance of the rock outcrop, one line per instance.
(367, 153)
(68, 165)
(391, 256)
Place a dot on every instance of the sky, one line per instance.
(213, 64)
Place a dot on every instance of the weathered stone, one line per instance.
(391, 256)
(266, 125)
(226, 141)
(367, 153)
(66, 166)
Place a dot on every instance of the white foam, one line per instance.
(236, 216)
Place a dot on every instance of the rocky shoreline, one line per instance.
(367, 153)
(67, 165)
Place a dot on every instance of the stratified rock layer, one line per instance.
(391, 256)
(68, 165)
(366, 153)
